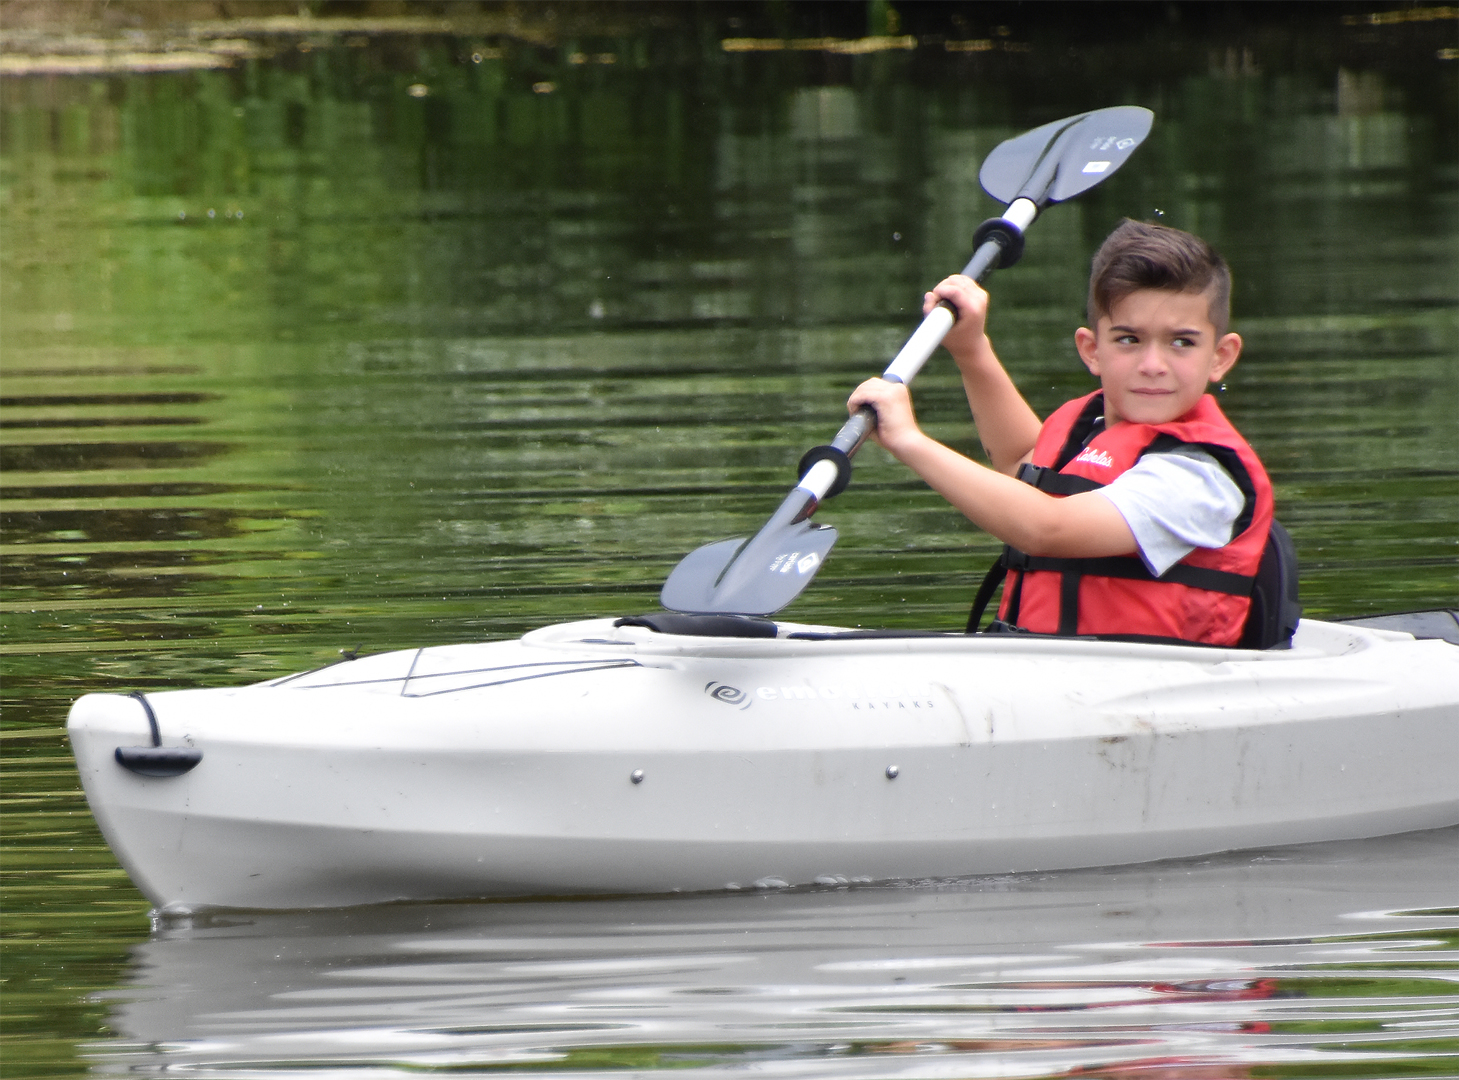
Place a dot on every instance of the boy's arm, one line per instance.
(1079, 526)
(1006, 425)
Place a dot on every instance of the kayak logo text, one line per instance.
(1109, 142)
(861, 698)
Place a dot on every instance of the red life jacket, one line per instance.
(1205, 597)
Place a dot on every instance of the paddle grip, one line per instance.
(987, 258)
(854, 432)
(840, 450)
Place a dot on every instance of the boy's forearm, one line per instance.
(1080, 526)
(1007, 426)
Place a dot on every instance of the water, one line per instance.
(1202, 969)
(447, 366)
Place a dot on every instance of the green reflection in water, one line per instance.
(297, 358)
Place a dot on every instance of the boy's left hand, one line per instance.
(896, 422)
(967, 341)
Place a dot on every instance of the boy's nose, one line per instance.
(1152, 360)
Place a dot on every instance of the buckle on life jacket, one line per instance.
(998, 626)
(1013, 559)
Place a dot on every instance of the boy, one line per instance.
(1138, 509)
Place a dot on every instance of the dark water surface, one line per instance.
(391, 340)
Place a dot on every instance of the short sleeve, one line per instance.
(1174, 502)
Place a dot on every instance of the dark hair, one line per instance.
(1141, 256)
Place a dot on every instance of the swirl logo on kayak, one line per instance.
(730, 695)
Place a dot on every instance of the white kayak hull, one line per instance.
(586, 758)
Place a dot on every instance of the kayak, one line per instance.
(716, 748)
(707, 752)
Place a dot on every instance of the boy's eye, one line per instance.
(1127, 339)
(1184, 343)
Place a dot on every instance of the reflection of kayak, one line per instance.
(590, 757)
(1117, 966)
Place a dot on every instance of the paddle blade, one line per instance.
(1065, 157)
(690, 588)
(1100, 144)
(748, 577)
(1013, 161)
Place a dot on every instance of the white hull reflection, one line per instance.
(1324, 960)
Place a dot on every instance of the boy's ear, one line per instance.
(1085, 341)
(1228, 350)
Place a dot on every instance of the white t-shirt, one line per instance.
(1174, 502)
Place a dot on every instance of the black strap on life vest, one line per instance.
(1046, 480)
(1088, 424)
(1072, 571)
(991, 580)
(1229, 460)
(1275, 604)
(1053, 482)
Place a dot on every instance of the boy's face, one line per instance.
(1155, 353)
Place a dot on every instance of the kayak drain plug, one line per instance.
(892, 772)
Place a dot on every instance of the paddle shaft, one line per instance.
(804, 499)
(903, 369)
(1047, 165)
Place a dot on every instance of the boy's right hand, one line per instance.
(968, 336)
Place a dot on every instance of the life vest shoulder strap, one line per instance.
(1090, 417)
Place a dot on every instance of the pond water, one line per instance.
(385, 339)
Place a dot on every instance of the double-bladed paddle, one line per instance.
(1047, 165)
